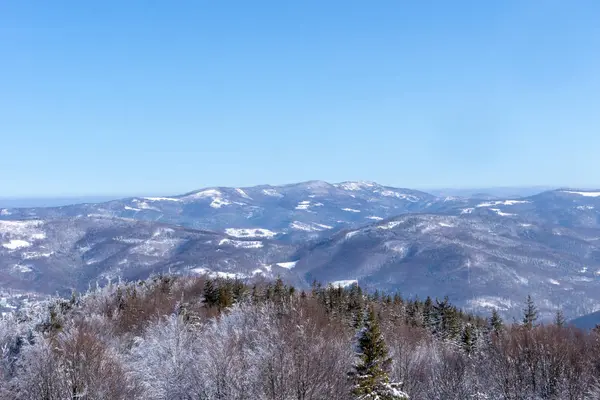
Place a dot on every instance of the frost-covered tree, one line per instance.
(370, 373)
(530, 313)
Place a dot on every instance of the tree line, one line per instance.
(201, 338)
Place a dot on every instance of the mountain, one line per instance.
(290, 211)
(58, 255)
(480, 261)
(589, 321)
(483, 253)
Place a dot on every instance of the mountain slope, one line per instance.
(479, 261)
(300, 210)
(61, 254)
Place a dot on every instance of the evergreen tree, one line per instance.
(559, 319)
(371, 372)
(529, 313)
(469, 337)
(496, 322)
(211, 293)
(225, 296)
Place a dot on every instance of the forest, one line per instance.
(184, 338)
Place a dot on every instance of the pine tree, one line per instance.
(371, 372)
(496, 322)
(468, 338)
(559, 319)
(211, 294)
(529, 313)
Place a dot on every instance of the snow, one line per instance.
(310, 227)
(143, 205)
(218, 274)
(502, 202)
(205, 193)
(16, 244)
(585, 194)
(446, 225)
(161, 199)
(375, 218)
(500, 213)
(554, 282)
(525, 225)
(250, 232)
(353, 186)
(585, 207)
(389, 225)
(24, 228)
(583, 270)
(490, 302)
(5, 212)
(344, 283)
(242, 244)
(243, 194)
(258, 272)
(219, 202)
(391, 193)
(351, 234)
(33, 254)
(303, 205)
(272, 193)
(467, 211)
(287, 265)
(351, 210)
(131, 208)
(22, 268)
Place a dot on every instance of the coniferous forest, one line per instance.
(200, 338)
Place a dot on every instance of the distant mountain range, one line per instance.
(482, 252)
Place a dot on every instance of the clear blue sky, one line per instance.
(133, 97)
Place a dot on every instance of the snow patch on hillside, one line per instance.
(403, 196)
(310, 227)
(585, 207)
(161, 199)
(143, 205)
(502, 202)
(28, 255)
(303, 205)
(16, 244)
(354, 186)
(5, 212)
(375, 218)
(351, 234)
(351, 210)
(250, 232)
(272, 193)
(500, 213)
(490, 302)
(554, 281)
(467, 211)
(389, 225)
(585, 194)
(287, 265)
(243, 194)
(253, 244)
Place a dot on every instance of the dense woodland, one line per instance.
(200, 338)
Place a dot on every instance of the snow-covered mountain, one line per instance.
(301, 210)
(480, 262)
(481, 252)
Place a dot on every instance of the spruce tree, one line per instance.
(211, 293)
(371, 380)
(530, 313)
(496, 322)
(559, 319)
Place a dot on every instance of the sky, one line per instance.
(145, 97)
